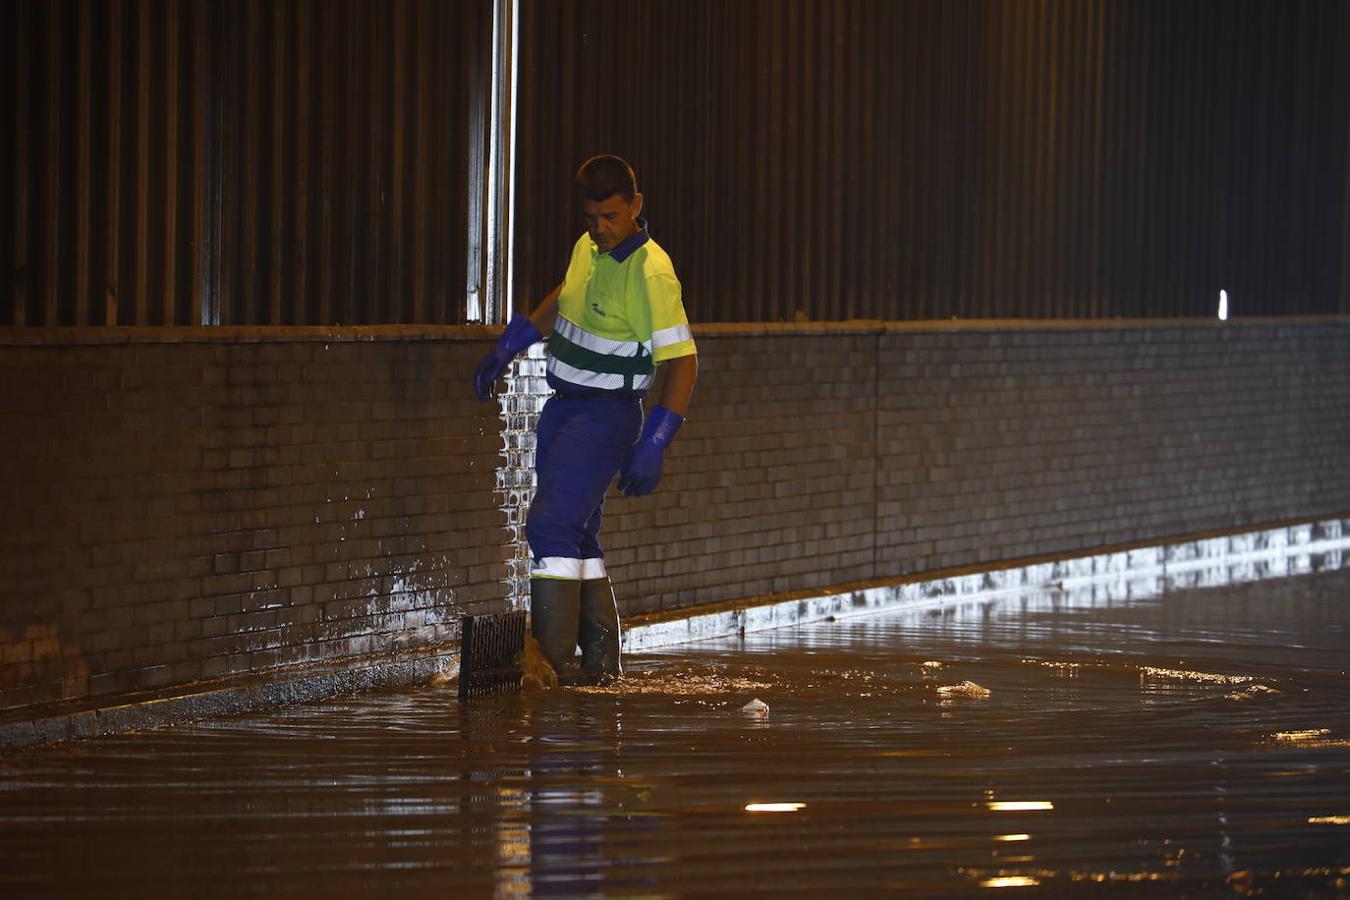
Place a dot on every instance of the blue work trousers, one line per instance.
(581, 442)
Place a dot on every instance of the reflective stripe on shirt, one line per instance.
(594, 342)
(604, 381)
(587, 360)
(673, 335)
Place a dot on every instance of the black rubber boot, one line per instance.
(555, 605)
(599, 631)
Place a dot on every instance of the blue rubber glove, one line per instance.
(518, 335)
(641, 472)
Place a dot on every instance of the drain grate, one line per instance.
(490, 651)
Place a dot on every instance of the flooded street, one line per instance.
(1191, 743)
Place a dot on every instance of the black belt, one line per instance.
(598, 392)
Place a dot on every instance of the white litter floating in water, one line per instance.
(968, 689)
(756, 707)
(931, 664)
(1251, 692)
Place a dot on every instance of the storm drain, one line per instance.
(490, 653)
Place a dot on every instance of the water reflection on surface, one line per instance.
(1192, 742)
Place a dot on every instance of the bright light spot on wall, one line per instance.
(1019, 805)
(774, 807)
(1223, 305)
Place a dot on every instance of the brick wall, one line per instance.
(770, 484)
(817, 455)
(194, 504)
(200, 503)
(1001, 444)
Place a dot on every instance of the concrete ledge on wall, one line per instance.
(241, 334)
(877, 326)
(245, 334)
(245, 694)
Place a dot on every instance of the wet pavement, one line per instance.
(1188, 743)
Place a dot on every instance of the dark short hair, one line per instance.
(601, 177)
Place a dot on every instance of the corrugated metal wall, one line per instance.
(241, 162)
(103, 207)
(911, 159)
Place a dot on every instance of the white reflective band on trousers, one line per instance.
(562, 567)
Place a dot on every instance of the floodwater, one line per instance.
(1190, 743)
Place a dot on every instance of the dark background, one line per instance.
(322, 163)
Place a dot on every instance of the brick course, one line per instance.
(191, 504)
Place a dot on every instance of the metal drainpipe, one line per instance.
(490, 282)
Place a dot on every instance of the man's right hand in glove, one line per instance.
(520, 334)
(641, 471)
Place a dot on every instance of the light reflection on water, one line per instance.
(1189, 743)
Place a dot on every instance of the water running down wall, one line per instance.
(520, 403)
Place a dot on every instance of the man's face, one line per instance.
(610, 222)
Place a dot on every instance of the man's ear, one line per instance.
(637, 205)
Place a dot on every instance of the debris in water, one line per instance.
(1251, 692)
(967, 689)
(1311, 739)
(756, 707)
(536, 672)
(1067, 668)
(441, 679)
(931, 665)
(688, 682)
(1308, 734)
(1187, 675)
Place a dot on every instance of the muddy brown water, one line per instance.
(1193, 743)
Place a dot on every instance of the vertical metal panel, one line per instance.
(111, 177)
(52, 166)
(140, 285)
(83, 230)
(501, 143)
(421, 223)
(178, 162)
(15, 309)
(1342, 41)
(912, 159)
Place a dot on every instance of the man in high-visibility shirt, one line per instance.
(616, 315)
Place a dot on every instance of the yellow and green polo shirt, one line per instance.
(619, 314)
